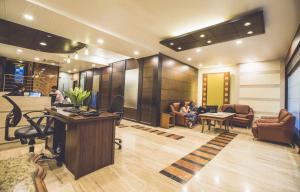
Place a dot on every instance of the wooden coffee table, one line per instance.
(220, 117)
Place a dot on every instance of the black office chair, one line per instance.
(29, 133)
(117, 107)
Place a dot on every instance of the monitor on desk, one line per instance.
(34, 94)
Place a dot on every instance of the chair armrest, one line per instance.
(35, 111)
(36, 125)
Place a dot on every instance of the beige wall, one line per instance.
(258, 84)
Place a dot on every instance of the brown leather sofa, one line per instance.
(278, 129)
(179, 117)
(244, 114)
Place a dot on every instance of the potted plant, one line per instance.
(77, 96)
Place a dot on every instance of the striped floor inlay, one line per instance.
(158, 132)
(185, 168)
(122, 126)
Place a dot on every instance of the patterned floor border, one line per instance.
(157, 132)
(185, 168)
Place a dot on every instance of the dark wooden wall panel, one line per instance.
(105, 88)
(2, 71)
(178, 82)
(118, 76)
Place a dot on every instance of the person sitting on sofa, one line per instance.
(194, 108)
(190, 116)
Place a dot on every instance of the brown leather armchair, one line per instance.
(179, 117)
(244, 114)
(280, 129)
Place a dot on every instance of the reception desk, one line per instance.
(85, 143)
(26, 103)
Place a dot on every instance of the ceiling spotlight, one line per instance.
(49, 36)
(250, 32)
(238, 42)
(93, 65)
(43, 43)
(20, 61)
(74, 69)
(179, 48)
(247, 24)
(200, 65)
(209, 41)
(100, 41)
(189, 59)
(53, 64)
(28, 17)
(86, 51)
(68, 59)
(171, 43)
(198, 50)
(19, 50)
(69, 71)
(76, 56)
(202, 35)
(136, 53)
(36, 59)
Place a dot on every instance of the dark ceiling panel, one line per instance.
(222, 32)
(26, 37)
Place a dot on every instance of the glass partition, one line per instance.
(131, 88)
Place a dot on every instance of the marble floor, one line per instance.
(243, 165)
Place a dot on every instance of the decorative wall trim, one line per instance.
(204, 89)
(226, 96)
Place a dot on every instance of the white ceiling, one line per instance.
(135, 25)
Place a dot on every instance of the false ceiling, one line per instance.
(134, 26)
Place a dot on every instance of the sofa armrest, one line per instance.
(269, 125)
(268, 117)
(250, 115)
(267, 121)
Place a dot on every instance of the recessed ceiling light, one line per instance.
(53, 64)
(202, 35)
(69, 71)
(20, 61)
(189, 59)
(28, 17)
(76, 56)
(68, 59)
(49, 36)
(250, 32)
(238, 42)
(247, 24)
(43, 43)
(179, 48)
(198, 50)
(36, 58)
(93, 65)
(209, 41)
(100, 41)
(136, 53)
(19, 50)
(74, 69)
(200, 65)
(171, 43)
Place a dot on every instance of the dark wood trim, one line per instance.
(140, 89)
(158, 89)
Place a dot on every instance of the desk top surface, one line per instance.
(219, 115)
(79, 118)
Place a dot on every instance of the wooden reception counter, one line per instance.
(87, 143)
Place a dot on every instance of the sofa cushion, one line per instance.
(242, 109)
(176, 106)
(225, 106)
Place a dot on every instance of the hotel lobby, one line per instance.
(159, 96)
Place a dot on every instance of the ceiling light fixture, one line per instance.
(238, 42)
(198, 50)
(69, 71)
(136, 53)
(189, 59)
(200, 65)
(28, 17)
(179, 48)
(43, 43)
(86, 51)
(209, 41)
(202, 35)
(247, 24)
(100, 41)
(76, 56)
(20, 61)
(171, 43)
(250, 32)
(36, 59)
(19, 50)
(74, 69)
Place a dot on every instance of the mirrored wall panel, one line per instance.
(131, 88)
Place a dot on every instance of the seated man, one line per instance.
(58, 95)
